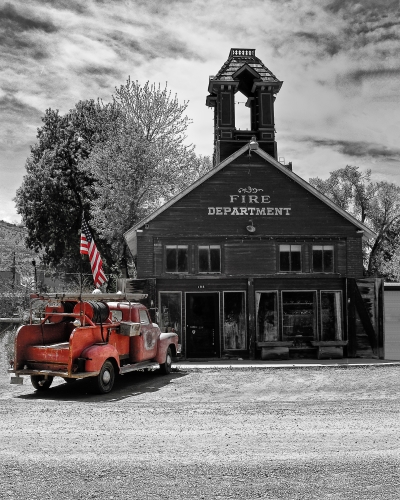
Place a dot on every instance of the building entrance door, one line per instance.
(202, 325)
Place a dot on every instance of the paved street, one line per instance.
(214, 433)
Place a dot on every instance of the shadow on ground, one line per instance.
(125, 386)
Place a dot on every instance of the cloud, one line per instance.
(11, 105)
(72, 5)
(358, 149)
(370, 6)
(13, 131)
(360, 75)
(14, 20)
(338, 59)
(162, 44)
(322, 42)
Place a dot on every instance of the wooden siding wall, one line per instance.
(354, 258)
(188, 222)
(145, 256)
(249, 257)
(244, 257)
(308, 214)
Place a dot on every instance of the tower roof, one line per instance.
(245, 59)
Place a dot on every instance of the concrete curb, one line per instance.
(309, 364)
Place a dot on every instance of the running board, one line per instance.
(138, 366)
(49, 373)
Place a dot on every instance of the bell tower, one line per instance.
(243, 72)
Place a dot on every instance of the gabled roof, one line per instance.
(130, 235)
(237, 59)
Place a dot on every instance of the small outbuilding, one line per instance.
(392, 321)
(251, 261)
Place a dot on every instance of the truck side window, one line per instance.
(144, 319)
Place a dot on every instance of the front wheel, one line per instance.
(40, 382)
(104, 381)
(166, 367)
(69, 380)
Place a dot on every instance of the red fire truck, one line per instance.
(89, 335)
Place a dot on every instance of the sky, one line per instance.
(338, 59)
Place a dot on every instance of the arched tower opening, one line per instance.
(242, 94)
(242, 112)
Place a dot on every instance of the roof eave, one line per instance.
(221, 82)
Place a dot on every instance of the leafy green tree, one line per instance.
(54, 191)
(376, 204)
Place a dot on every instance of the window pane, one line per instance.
(299, 316)
(182, 259)
(234, 320)
(317, 260)
(143, 317)
(328, 259)
(296, 258)
(170, 312)
(203, 259)
(331, 316)
(284, 259)
(267, 316)
(215, 259)
(171, 259)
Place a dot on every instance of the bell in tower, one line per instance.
(243, 72)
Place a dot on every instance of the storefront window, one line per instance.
(176, 258)
(290, 258)
(322, 258)
(299, 316)
(234, 321)
(170, 312)
(267, 316)
(331, 316)
(210, 259)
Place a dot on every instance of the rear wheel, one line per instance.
(166, 367)
(40, 382)
(104, 381)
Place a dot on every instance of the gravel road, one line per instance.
(207, 434)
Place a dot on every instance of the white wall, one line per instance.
(392, 321)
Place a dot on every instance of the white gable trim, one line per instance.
(130, 235)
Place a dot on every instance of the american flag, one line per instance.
(88, 247)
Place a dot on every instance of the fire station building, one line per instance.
(251, 261)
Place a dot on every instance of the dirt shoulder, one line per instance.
(216, 433)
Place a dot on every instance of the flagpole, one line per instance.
(81, 260)
(81, 274)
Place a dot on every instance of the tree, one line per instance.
(376, 204)
(114, 162)
(155, 114)
(349, 188)
(384, 217)
(54, 191)
(139, 167)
